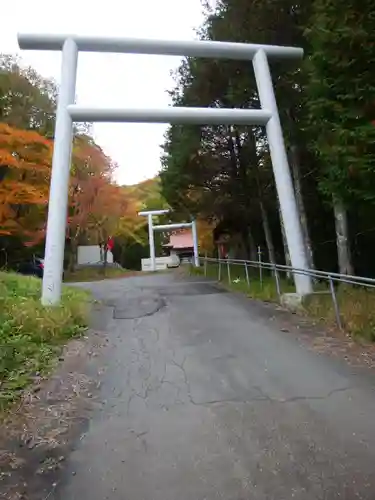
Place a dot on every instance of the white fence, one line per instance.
(161, 263)
(90, 255)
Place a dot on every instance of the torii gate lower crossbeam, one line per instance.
(67, 112)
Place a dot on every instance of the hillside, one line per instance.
(146, 194)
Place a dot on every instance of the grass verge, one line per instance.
(31, 336)
(356, 304)
(261, 287)
(357, 310)
(95, 273)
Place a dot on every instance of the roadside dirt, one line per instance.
(317, 337)
(39, 432)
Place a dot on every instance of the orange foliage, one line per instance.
(91, 173)
(205, 236)
(97, 208)
(25, 160)
(90, 166)
(112, 212)
(89, 159)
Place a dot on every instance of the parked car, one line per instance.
(32, 267)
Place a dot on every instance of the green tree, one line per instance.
(27, 101)
(340, 92)
(217, 171)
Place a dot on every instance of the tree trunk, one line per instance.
(344, 256)
(122, 258)
(73, 256)
(242, 173)
(252, 246)
(245, 246)
(288, 262)
(294, 160)
(105, 257)
(267, 233)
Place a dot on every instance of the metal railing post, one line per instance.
(335, 302)
(205, 264)
(219, 274)
(228, 270)
(247, 275)
(260, 268)
(277, 281)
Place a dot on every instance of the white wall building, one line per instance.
(90, 255)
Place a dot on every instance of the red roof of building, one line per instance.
(180, 240)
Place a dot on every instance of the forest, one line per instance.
(220, 174)
(327, 111)
(98, 207)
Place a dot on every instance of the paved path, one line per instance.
(204, 398)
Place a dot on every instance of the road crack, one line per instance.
(269, 399)
(261, 397)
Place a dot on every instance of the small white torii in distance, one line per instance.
(168, 227)
(69, 112)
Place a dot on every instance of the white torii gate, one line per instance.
(168, 227)
(149, 214)
(193, 225)
(68, 112)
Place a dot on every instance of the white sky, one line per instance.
(111, 79)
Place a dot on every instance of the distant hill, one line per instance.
(144, 188)
(147, 194)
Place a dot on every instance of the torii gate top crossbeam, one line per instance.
(195, 48)
(154, 212)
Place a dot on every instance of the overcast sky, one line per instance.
(111, 79)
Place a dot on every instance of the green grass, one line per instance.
(263, 290)
(357, 310)
(356, 304)
(93, 273)
(31, 336)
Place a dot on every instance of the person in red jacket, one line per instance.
(110, 244)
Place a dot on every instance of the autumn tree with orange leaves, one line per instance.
(97, 207)
(107, 214)
(25, 160)
(90, 168)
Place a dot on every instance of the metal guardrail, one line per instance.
(321, 276)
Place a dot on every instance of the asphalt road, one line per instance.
(204, 398)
